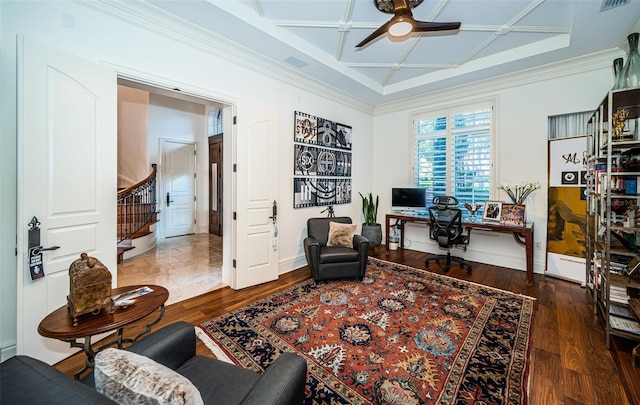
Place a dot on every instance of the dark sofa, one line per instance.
(25, 380)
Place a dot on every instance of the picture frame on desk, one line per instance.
(492, 211)
(513, 214)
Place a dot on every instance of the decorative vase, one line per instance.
(473, 218)
(617, 70)
(631, 70)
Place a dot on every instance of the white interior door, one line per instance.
(179, 168)
(66, 178)
(257, 188)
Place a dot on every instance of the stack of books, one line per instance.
(619, 263)
(618, 294)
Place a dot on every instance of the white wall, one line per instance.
(179, 120)
(133, 136)
(104, 39)
(521, 129)
(7, 197)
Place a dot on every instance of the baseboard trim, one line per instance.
(292, 263)
(515, 262)
(509, 261)
(7, 351)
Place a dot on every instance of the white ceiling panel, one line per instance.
(513, 40)
(308, 10)
(553, 13)
(496, 37)
(326, 39)
(470, 12)
(446, 50)
(406, 73)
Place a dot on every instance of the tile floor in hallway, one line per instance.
(187, 266)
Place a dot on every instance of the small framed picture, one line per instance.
(513, 214)
(492, 211)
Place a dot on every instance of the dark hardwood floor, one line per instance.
(570, 363)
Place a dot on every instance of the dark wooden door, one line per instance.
(215, 184)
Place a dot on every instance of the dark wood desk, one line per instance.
(523, 235)
(59, 323)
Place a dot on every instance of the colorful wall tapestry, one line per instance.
(322, 162)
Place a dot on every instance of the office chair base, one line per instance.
(448, 259)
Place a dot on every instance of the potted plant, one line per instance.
(371, 229)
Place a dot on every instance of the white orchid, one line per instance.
(519, 192)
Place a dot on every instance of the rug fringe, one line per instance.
(212, 345)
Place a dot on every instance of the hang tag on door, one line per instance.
(35, 263)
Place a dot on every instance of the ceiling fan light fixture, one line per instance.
(402, 23)
(400, 27)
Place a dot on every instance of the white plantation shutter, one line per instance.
(452, 153)
(431, 155)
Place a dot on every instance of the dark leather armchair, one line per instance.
(25, 380)
(446, 228)
(331, 262)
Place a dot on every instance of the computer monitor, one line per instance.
(408, 199)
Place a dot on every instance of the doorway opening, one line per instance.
(173, 130)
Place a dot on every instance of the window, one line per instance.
(452, 154)
(214, 120)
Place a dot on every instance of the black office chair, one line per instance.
(446, 228)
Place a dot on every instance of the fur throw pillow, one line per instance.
(341, 234)
(130, 378)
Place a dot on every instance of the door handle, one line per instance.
(274, 212)
(38, 251)
(35, 262)
(169, 201)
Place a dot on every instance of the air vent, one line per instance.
(293, 61)
(609, 4)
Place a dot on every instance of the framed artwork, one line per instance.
(306, 128)
(322, 162)
(512, 214)
(492, 211)
(322, 132)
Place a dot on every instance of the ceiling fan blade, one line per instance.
(375, 34)
(426, 26)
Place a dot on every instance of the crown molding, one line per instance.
(569, 67)
(159, 21)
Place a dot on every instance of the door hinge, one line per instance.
(195, 198)
(235, 167)
(194, 221)
(234, 216)
(235, 119)
(234, 263)
(195, 175)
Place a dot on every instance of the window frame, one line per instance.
(448, 111)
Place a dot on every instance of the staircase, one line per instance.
(136, 212)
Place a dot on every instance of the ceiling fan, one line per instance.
(403, 23)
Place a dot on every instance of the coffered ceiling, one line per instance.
(318, 38)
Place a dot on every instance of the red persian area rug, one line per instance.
(400, 336)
